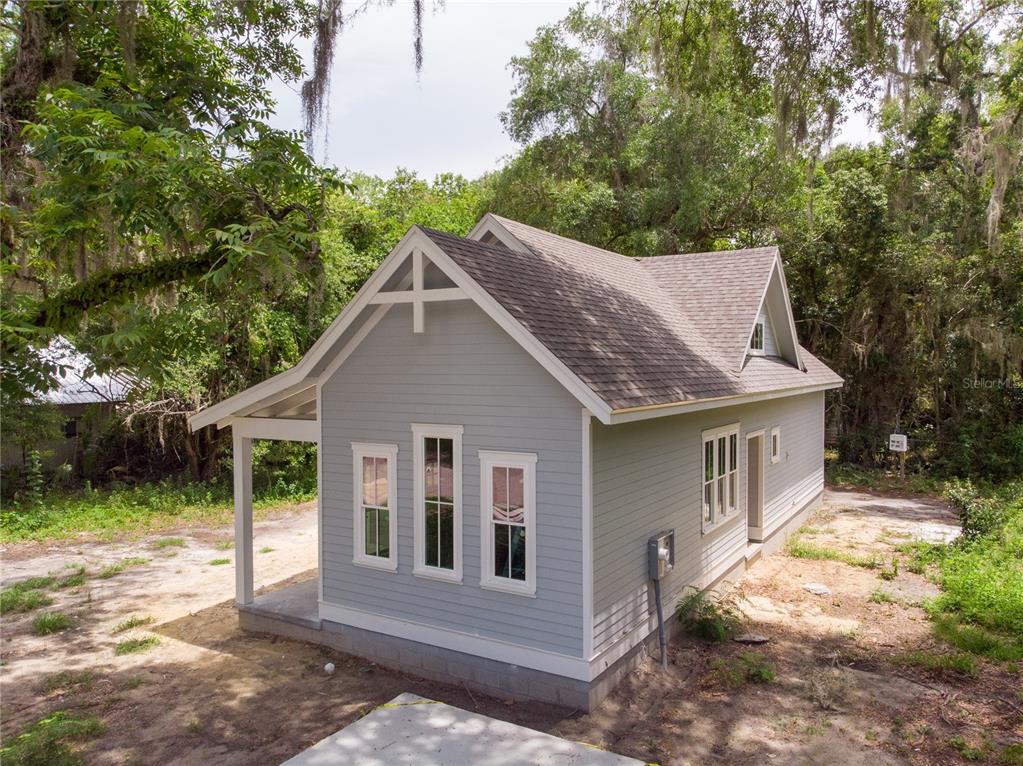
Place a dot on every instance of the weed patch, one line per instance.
(224, 545)
(828, 688)
(66, 680)
(711, 620)
(22, 598)
(219, 562)
(880, 597)
(801, 549)
(50, 622)
(74, 580)
(116, 569)
(132, 622)
(47, 742)
(750, 667)
(135, 645)
(169, 542)
(266, 549)
(938, 662)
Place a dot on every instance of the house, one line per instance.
(84, 398)
(504, 420)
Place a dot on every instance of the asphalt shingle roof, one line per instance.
(638, 332)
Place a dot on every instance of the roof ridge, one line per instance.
(546, 233)
(740, 250)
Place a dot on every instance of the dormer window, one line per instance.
(756, 343)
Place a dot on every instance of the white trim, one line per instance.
(630, 415)
(490, 648)
(242, 458)
(319, 496)
(418, 311)
(587, 543)
(389, 452)
(489, 224)
(427, 296)
(778, 266)
(283, 429)
(712, 436)
(775, 457)
(421, 431)
(527, 462)
(788, 312)
(763, 337)
(750, 529)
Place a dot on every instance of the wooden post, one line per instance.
(243, 520)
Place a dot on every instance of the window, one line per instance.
(776, 444)
(374, 468)
(756, 343)
(438, 501)
(508, 521)
(720, 474)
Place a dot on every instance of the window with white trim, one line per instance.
(375, 502)
(776, 444)
(508, 521)
(756, 342)
(438, 501)
(720, 471)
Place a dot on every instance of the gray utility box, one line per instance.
(661, 554)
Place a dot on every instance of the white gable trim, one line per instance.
(790, 319)
(488, 224)
(300, 377)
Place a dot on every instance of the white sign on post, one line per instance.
(897, 442)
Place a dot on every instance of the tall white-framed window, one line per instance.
(508, 521)
(437, 482)
(775, 444)
(375, 505)
(720, 472)
(756, 341)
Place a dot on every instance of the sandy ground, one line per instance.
(208, 693)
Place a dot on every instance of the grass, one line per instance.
(966, 750)
(846, 476)
(140, 509)
(880, 597)
(938, 661)
(23, 597)
(707, 618)
(169, 542)
(74, 580)
(224, 545)
(748, 668)
(66, 680)
(980, 609)
(266, 549)
(801, 549)
(50, 622)
(135, 645)
(116, 569)
(48, 741)
(219, 562)
(132, 622)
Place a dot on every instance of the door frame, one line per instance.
(755, 533)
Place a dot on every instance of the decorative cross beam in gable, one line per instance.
(419, 295)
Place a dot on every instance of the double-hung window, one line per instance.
(720, 496)
(508, 521)
(438, 501)
(374, 469)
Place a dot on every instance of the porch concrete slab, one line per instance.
(413, 730)
(298, 604)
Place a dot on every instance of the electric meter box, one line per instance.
(661, 554)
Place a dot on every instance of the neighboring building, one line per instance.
(85, 399)
(504, 420)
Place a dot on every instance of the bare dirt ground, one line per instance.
(208, 693)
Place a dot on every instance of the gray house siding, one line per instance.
(463, 370)
(646, 477)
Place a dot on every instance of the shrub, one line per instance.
(708, 619)
(978, 515)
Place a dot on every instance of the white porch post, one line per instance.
(243, 519)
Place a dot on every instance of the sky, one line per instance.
(383, 116)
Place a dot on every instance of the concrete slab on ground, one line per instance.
(412, 730)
